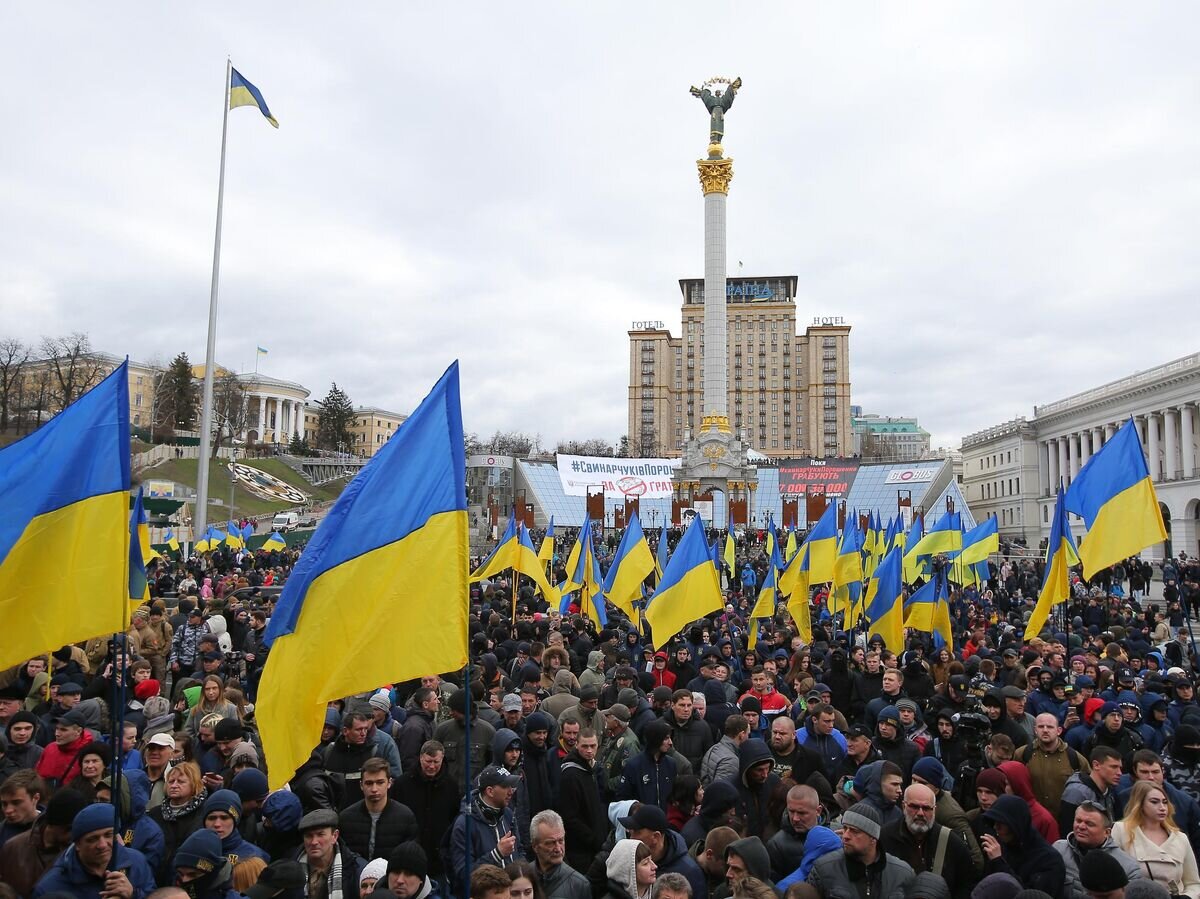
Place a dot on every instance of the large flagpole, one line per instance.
(200, 519)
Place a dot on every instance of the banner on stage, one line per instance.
(833, 477)
(643, 478)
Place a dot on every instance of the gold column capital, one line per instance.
(715, 175)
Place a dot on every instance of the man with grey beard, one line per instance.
(928, 846)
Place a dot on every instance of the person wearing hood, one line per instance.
(819, 734)
(1156, 728)
(717, 809)
(593, 674)
(649, 777)
(96, 864)
(756, 783)
(493, 827)
(279, 835)
(718, 707)
(580, 802)
(1018, 849)
(138, 830)
(744, 858)
(631, 871)
(918, 839)
(648, 823)
(1181, 759)
(201, 868)
(1078, 735)
(1092, 833)
(820, 842)
(890, 741)
(994, 707)
(539, 773)
(21, 732)
(786, 847)
(1019, 782)
(860, 864)
(946, 745)
(880, 785)
(1098, 785)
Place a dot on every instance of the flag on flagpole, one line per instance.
(64, 526)
(689, 588)
(501, 556)
(664, 549)
(764, 607)
(799, 602)
(884, 603)
(275, 541)
(394, 548)
(243, 93)
(171, 540)
(822, 546)
(546, 550)
(631, 565)
(526, 562)
(139, 583)
(261, 351)
(1115, 497)
(1061, 554)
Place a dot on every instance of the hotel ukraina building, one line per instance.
(789, 393)
(1012, 469)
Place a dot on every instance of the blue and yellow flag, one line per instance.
(920, 606)
(980, 542)
(943, 635)
(631, 565)
(847, 569)
(526, 562)
(663, 551)
(243, 93)
(546, 551)
(501, 557)
(64, 526)
(792, 546)
(1061, 555)
(689, 588)
(394, 552)
(764, 607)
(884, 603)
(943, 537)
(275, 541)
(583, 576)
(233, 536)
(1115, 497)
(822, 545)
(171, 540)
(799, 599)
(139, 584)
(894, 534)
(143, 530)
(916, 565)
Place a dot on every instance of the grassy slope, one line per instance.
(245, 503)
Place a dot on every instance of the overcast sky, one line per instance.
(1002, 200)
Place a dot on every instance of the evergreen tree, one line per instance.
(335, 420)
(177, 397)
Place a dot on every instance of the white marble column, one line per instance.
(1170, 445)
(289, 410)
(1152, 447)
(1109, 430)
(1187, 440)
(262, 419)
(1064, 471)
(1097, 440)
(1072, 457)
(1085, 447)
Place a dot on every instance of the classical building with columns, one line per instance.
(275, 409)
(1163, 402)
(1063, 435)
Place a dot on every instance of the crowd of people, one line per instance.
(574, 761)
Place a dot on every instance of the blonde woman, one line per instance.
(212, 702)
(1149, 834)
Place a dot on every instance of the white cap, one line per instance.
(162, 740)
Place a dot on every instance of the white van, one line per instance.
(285, 521)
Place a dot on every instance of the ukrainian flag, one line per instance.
(792, 546)
(822, 546)
(64, 526)
(275, 541)
(139, 583)
(915, 565)
(945, 537)
(501, 557)
(885, 603)
(171, 540)
(764, 607)
(243, 93)
(689, 588)
(233, 538)
(895, 532)
(525, 561)
(380, 594)
(583, 575)
(799, 602)
(943, 635)
(1061, 554)
(546, 551)
(980, 542)
(143, 528)
(664, 551)
(730, 556)
(632, 564)
(919, 607)
(847, 568)
(1115, 497)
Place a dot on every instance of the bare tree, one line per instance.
(596, 446)
(229, 409)
(13, 356)
(73, 367)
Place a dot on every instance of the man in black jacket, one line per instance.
(691, 735)
(580, 802)
(375, 825)
(344, 757)
(431, 794)
(418, 726)
(928, 846)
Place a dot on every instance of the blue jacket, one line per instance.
(67, 875)
(832, 748)
(487, 826)
(236, 848)
(143, 834)
(647, 780)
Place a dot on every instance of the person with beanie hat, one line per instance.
(540, 774)
(998, 886)
(408, 870)
(279, 836)
(372, 872)
(1181, 759)
(222, 813)
(27, 856)
(891, 743)
(650, 775)
(1101, 875)
(860, 862)
(96, 863)
(22, 731)
(201, 868)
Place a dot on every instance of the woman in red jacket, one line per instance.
(661, 676)
(60, 760)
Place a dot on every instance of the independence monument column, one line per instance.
(714, 459)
